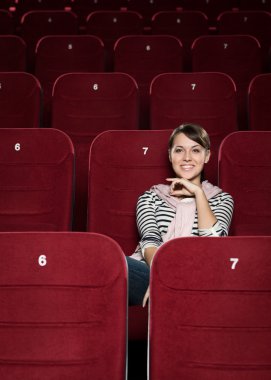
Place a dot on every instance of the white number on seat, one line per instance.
(234, 262)
(95, 86)
(17, 147)
(193, 85)
(145, 149)
(42, 260)
(225, 45)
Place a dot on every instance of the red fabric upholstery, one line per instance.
(124, 164)
(208, 99)
(84, 105)
(245, 172)
(209, 314)
(259, 97)
(37, 24)
(110, 25)
(6, 22)
(239, 56)
(20, 100)
(178, 24)
(12, 53)
(36, 170)
(56, 55)
(63, 307)
(264, 5)
(144, 57)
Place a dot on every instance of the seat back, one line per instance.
(207, 99)
(239, 56)
(12, 53)
(259, 97)
(122, 165)
(84, 105)
(144, 57)
(245, 172)
(36, 169)
(56, 55)
(63, 306)
(20, 100)
(6, 22)
(210, 309)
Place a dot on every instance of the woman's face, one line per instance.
(188, 158)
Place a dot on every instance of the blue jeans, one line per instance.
(138, 280)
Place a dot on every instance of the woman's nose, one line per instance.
(187, 156)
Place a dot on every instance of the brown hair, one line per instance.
(192, 131)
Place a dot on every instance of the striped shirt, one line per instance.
(154, 216)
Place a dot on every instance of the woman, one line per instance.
(186, 206)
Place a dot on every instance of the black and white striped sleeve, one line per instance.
(222, 206)
(146, 221)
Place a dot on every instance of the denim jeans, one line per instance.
(138, 280)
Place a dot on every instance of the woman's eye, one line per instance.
(196, 150)
(178, 150)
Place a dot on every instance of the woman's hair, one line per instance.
(193, 132)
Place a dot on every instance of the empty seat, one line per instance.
(36, 169)
(20, 100)
(37, 24)
(144, 57)
(6, 22)
(245, 172)
(255, 23)
(210, 309)
(12, 53)
(178, 24)
(239, 56)
(207, 99)
(259, 98)
(260, 5)
(110, 25)
(63, 306)
(56, 55)
(84, 105)
(124, 164)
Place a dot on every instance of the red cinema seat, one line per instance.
(260, 5)
(144, 57)
(255, 23)
(239, 56)
(63, 306)
(84, 105)
(37, 24)
(122, 165)
(57, 55)
(20, 100)
(259, 98)
(6, 22)
(207, 99)
(110, 25)
(245, 172)
(210, 309)
(185, 25)
(12, 53)
(36, 169)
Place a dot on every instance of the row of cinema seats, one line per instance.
(86, 104)
(63, 308)
(37, 178)
(142, 57)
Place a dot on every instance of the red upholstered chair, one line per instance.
(36, 170)
(178, 24)
(208, 99)
(255, 23)
(259, 97)
(6, 22)
(239, 56)
(56, 55)
(122, 165)
(245, 172)
(63, 306)
(210, 309)
(37, 24)
(12, 53)
(144, 57)
(84, 105)
(20, 100)
(110, 25)
(262, 5)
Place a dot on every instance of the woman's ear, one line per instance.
(208, 155)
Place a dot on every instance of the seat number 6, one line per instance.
(42, 260)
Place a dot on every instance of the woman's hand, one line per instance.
(182, 187)
(146, 297)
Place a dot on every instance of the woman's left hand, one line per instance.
(182, 187)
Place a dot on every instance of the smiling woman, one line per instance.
(186, 206)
